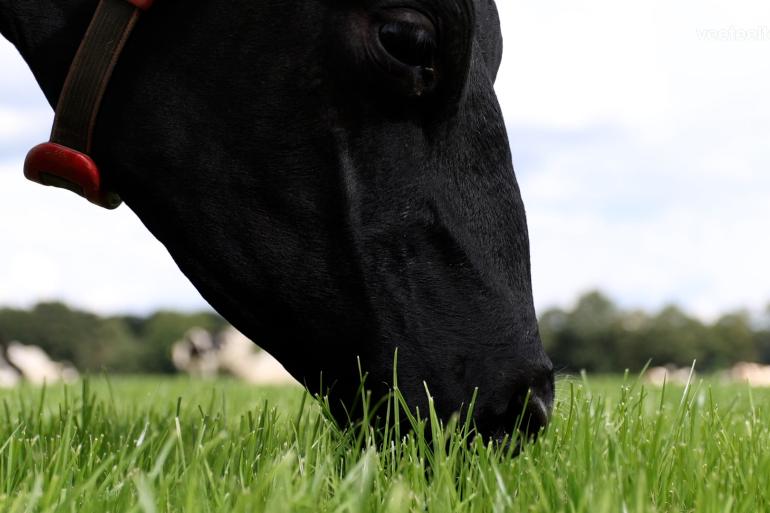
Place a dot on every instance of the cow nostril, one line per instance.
(526, 414)
(533, 407)
(526, 417)
(535, 415)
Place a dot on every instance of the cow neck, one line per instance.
(64, 161)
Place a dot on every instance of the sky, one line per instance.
(639, 134)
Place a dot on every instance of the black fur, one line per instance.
(316, 200)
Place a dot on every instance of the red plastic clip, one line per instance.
(59, 166)
(142, 4)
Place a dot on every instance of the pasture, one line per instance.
(172, 445)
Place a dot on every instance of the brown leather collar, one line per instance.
(64, 161)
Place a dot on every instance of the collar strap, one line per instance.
(64, 161)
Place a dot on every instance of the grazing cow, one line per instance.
(230, 352)
(36, 367)
(670, 374)
(9, 376)
(239, 356)
(754, 374)
(196, 354)
(334, 177)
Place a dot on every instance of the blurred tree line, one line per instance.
(121, 344)
(598, 336)
(595, 335)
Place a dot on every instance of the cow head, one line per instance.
(334, 176)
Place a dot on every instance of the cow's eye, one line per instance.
(411, 41)
(407, 48)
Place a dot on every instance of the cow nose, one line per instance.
(536, 415)
(532, 405)
(528, 411)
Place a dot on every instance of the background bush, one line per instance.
(122, 344)
(598, 336)
(595, 335)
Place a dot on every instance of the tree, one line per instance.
(598, 336)
(670, 337)
(733, 340)
(159, 332)
(585, 338)
(96, 344)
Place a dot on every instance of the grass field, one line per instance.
(174, 445)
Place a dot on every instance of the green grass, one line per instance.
(173, 445)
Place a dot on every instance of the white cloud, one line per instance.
(54, 245)
(643, 237)
(24, 113)
(19, 124)
(640, 141)
(573, 65)
(57, 246)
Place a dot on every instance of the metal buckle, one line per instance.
(59, 166)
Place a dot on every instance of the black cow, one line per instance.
(334, 176)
